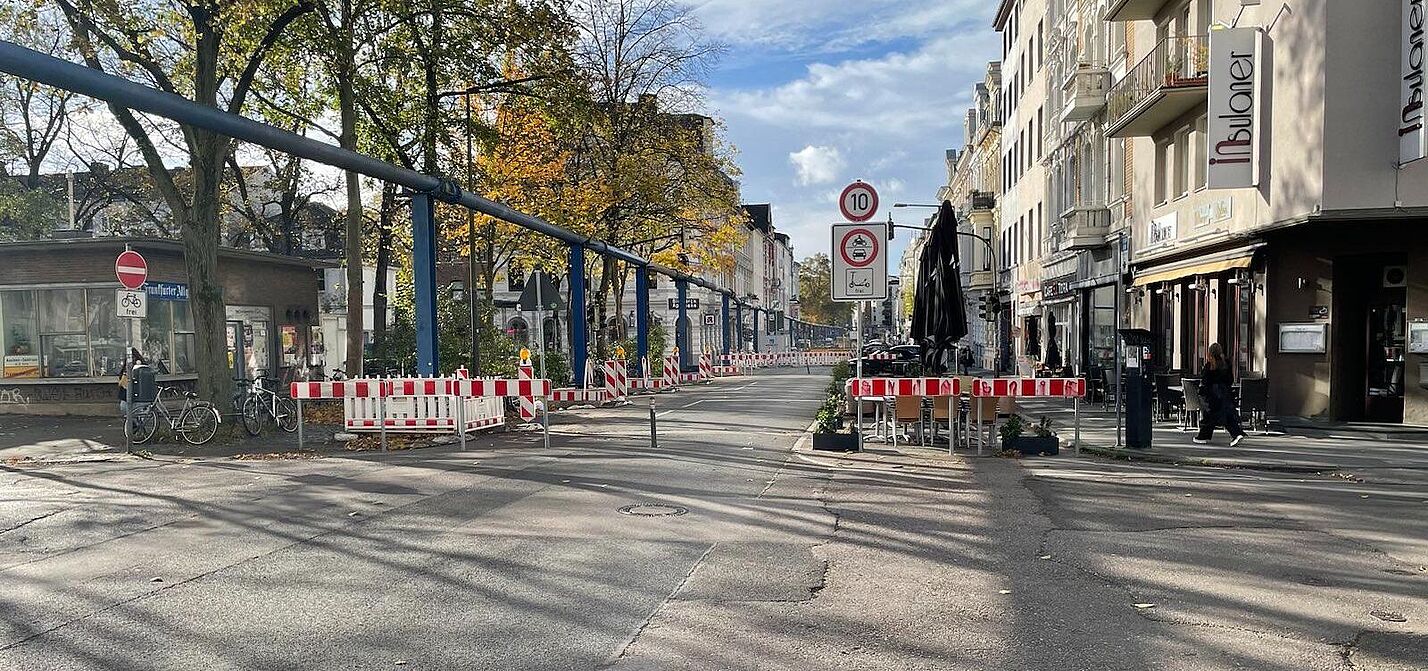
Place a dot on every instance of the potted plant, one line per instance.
(828, 431)
(1042, 439)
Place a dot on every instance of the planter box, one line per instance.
(1033, 445)
(835, 442)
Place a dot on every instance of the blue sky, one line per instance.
(817, 93)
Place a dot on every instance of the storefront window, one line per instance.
(63, 343)
(18, 335)
(183, 360)
(1101, 336)
(106, 334)
(258, 345)
(156, 336)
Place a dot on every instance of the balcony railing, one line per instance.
(1175, 63)
(984, 201)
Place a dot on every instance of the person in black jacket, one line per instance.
(1215, 383)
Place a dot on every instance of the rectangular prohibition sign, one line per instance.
(860, 262)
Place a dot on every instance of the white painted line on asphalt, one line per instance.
(687, 405)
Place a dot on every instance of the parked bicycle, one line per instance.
(195, 421)
(257, 406)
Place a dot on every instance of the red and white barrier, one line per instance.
(525, 371)
(617, 380)
(904, 386)
(706, 366)
(592, 391)
(670, 374)
(1029, 387)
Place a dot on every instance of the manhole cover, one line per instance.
(652, 510)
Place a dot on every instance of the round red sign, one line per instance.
(131, 269)
(859, 202)
(859, 248)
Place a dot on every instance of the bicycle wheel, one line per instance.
(287, 414)
(254, 410)
(199, 423)
(143, 427)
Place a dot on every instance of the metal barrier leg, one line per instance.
(951, 424)
(544, 408)
(1076, 411)
(299, 404)
(461, 421)
(382, 419)
(859, 401)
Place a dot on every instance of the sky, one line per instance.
(818, 93)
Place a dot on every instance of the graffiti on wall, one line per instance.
(12, 396)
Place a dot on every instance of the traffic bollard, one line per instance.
(654, 433)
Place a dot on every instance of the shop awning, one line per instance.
(1209, 264)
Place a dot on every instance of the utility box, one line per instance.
(1136, 344)
(143, 388)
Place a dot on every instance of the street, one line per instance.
(509, 556)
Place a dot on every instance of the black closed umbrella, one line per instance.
(939, 315)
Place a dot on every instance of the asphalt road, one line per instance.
(511, 556)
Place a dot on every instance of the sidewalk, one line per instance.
(1313, 453)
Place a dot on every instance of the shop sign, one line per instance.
(1056, 288)
(1162, 229)
(689, 304)
(1411, 138)
(1236, 92)
(1214, 211)
(21, 365)
(166, 291)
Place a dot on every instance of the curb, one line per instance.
(1154, 458)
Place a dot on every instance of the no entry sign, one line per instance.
(860, 262)
(131, 269)
(859, 201)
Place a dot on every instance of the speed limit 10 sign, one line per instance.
(859, 201)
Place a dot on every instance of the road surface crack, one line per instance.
(31, 521)
(635, 637)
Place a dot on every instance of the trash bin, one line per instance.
(142, 386)
(1136, 343)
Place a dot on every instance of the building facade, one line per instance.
(1248, 174)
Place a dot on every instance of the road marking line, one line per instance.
(687, 405)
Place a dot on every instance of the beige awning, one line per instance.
(1203, 265)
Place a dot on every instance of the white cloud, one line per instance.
(816, 165)
(833, 25)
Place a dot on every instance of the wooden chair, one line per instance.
(944, 409)
(907, 410)
(983, 415)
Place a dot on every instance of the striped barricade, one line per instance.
(706, 367)
(904, 386)
(617, 380)
(670, 373)
(593, 391)
(525, 371)
(1036, 387)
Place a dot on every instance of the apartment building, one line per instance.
(1023, 25)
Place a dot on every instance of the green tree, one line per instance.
(815, 292)
(211, 52)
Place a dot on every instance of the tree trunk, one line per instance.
(347, 109)
(200, 246)
(385, 214)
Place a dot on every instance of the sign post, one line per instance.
(860, 267)
(130, 303)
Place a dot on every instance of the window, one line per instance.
(1040, 126)
(107, 339)
(1202, 160)
(1118, 168)
(654, 280)
(63, 342)
(987, 233)
(1040, 55)
(1182, 163)
(184, 360)
(1164, 155)
(520, 331)
(515, 278)
(18, 333)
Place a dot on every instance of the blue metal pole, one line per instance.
(642, 315)
(424, 275)
(578, 351)
(681, 325)
(724, 319)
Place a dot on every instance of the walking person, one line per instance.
(1216, 381)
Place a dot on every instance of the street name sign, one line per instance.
(860, 262)
(859, 201)
(131, 269)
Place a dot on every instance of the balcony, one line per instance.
(1166, 84)
(1085, 226)
(980, 280)
(1134, 10)
(1085, 89)
(982, 200)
